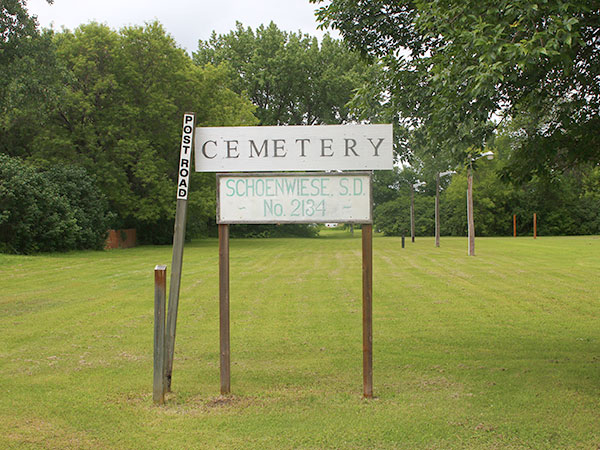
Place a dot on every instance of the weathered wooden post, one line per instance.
(225, 358)
(514, 225)
(534, 225)
(160, 292)
(367, 284)
(286, 197)
(185, 158)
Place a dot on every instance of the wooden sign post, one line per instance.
(367, 287)
(295, 198)
(224, 341)
(185, 164)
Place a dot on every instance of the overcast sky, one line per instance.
(186, 20)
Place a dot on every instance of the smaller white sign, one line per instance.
(294, 198)
(185, 156)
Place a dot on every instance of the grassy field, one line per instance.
(501, 350)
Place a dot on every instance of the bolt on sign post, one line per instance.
(265, 197)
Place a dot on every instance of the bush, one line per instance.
(57, 210)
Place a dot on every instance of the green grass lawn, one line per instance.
(500, 350)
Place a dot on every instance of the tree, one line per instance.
(290, 78)
(16, 27)
(29, 78)
(118, 114)
(453, 66)
(59, 209)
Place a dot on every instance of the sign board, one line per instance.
(185, 156)
(294, 198)
(299, 148)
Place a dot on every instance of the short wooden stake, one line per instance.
(160, 293)
(514, 225)
(224, 342)
(367, 284)
(534, 225)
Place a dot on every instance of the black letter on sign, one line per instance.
(278, 147)
(302, 141)
(326, 147)
(376, 147)
(232, 148)
(350, 148)
(204, 150)
(258, 152)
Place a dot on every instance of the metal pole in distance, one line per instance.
(225, 362)
(437, 210)
(471, 222)
(185, 159)
(160, 292)
(412, 213)
(367, 284)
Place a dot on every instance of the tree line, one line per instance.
(458, 79)
(106, 105)
(111, 102)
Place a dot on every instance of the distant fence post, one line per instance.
(514, 225)
(160, 293)
(534, 225)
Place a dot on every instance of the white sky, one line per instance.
(186, 20)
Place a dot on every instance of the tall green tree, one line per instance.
(453, 66)
(28, 84)
(290, 77)
(118, 114)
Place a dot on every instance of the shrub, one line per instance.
(57, 210)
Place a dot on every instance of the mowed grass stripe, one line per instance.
(501, 350)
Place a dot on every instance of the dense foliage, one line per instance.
(54, 210)
(111, 102)
(453, 66)
(569, 204)
(290, 77)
